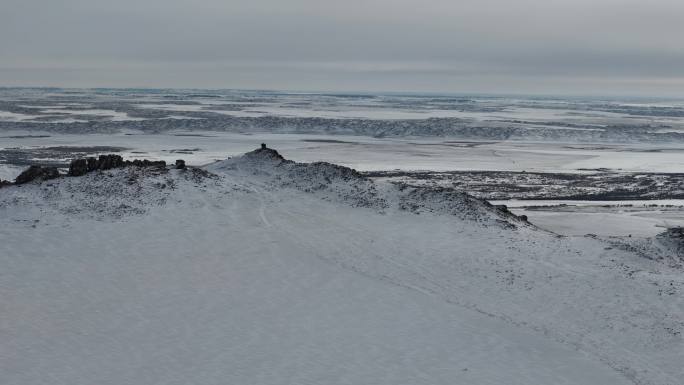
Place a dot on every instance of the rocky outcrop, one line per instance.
(180, 164)
(78, 167)
(144, 163)
(4, 183)
(37, 173)
(83, 166)
(265, 153)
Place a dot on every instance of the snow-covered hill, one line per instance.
(264, 271)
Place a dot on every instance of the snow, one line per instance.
(114, 116)
(9, 172)
(274, 273)
(13, 116)
(237, 302)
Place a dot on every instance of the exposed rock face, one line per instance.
(180, 164)
(37, 172)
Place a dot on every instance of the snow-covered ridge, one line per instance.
(132, 187)
(102, 195)
(334, 182)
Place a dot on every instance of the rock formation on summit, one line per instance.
(37, 172)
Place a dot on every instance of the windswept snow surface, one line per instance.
(272, 272)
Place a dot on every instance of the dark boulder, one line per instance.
(107, 162)
(4, 183)
(180, 164)
(78, 167)
(37, 172)
(502, 208)
(92, 163)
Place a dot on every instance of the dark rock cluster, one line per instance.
(37, 172)
(83, 166)
(674, 233)
(144, 163)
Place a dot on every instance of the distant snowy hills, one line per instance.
(257, 269)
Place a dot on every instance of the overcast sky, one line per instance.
(601, 47)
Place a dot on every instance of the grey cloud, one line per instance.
(550, 46)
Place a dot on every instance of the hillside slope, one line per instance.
(267, 271)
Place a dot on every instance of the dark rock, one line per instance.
(92, 164)
(502, 208)
(523, 218)
(180, 164)
(37, 172)
(78, 167)
(265, 153)
(4, 183)
(675, 232)
(107, 162)
(145, 163)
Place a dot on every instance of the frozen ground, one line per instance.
(281, 274)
